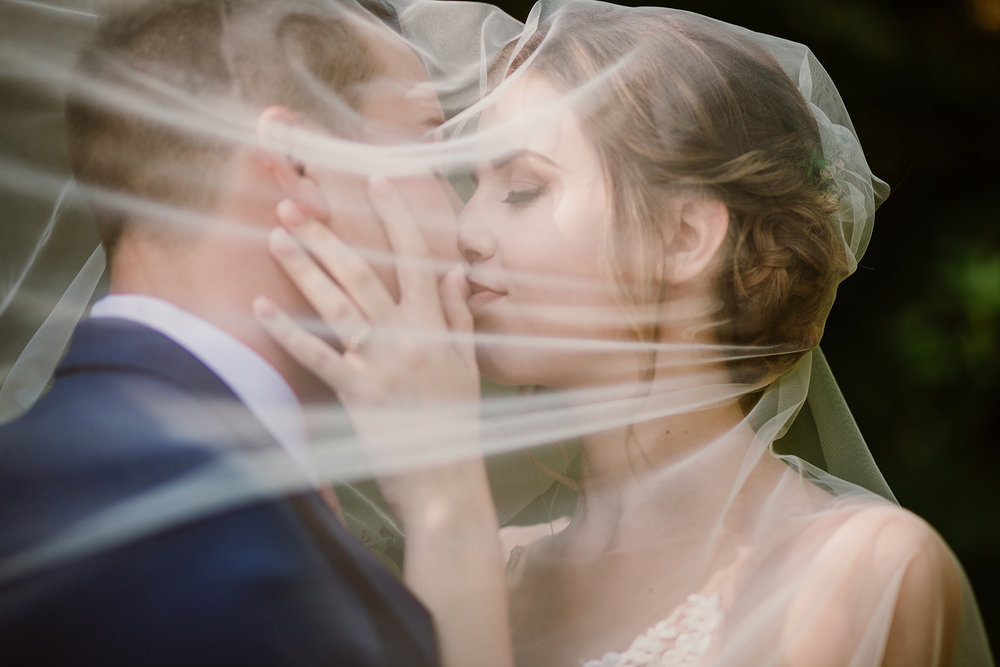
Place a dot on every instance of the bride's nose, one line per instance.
(475, 241)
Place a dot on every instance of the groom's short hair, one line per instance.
(157, 90)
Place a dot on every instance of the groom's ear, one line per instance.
(277, 129)
(703, 225)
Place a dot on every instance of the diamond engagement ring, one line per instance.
(357, 340)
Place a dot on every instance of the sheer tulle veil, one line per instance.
(476, 55)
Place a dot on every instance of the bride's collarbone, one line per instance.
(632, 590)
(574, 625)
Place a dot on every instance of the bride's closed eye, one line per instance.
(524, 195)
(522, 183)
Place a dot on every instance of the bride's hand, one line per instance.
(405, 372)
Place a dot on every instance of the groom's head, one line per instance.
(178, 128)
(157, 92)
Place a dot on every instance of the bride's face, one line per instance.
(534, 234)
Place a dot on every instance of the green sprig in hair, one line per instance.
(823, 170)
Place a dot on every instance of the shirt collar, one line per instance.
(254, 381)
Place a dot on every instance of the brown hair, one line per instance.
(685, 106)
(213, 60)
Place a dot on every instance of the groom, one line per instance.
(172, 381)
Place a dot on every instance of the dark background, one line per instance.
(914, 339)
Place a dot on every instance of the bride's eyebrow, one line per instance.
(505, 160)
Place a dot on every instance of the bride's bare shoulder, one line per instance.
(885, 539)
(883, 564)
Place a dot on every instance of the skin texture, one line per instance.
(532, 233)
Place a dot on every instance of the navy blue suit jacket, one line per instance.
(275, 581)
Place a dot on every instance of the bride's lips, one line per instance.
(480, 294)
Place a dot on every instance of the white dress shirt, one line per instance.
(254, 381)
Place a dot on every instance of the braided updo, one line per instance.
(684, 106)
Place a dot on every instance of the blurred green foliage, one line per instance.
(914, 338)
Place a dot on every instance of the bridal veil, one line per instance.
(475, 53)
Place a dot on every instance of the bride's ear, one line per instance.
(703, 225)
(276, 132)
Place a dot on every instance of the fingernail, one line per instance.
(290, 213)
(282, 243)
(379, 186)
(264, 308)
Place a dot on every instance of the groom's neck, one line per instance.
(218, 285)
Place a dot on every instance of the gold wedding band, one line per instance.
(358, 339)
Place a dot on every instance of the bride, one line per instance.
(655, 237)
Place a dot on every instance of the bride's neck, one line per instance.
(627, 470)
(665, 474)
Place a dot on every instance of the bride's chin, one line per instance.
(493, 370)
(507, 367)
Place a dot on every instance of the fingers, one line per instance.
(416, 277)
(356, 278)
(454, 291)
(329, 299)
(307, 349)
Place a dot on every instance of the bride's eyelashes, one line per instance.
(508, 183)
(522, 184)
(523, 196)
